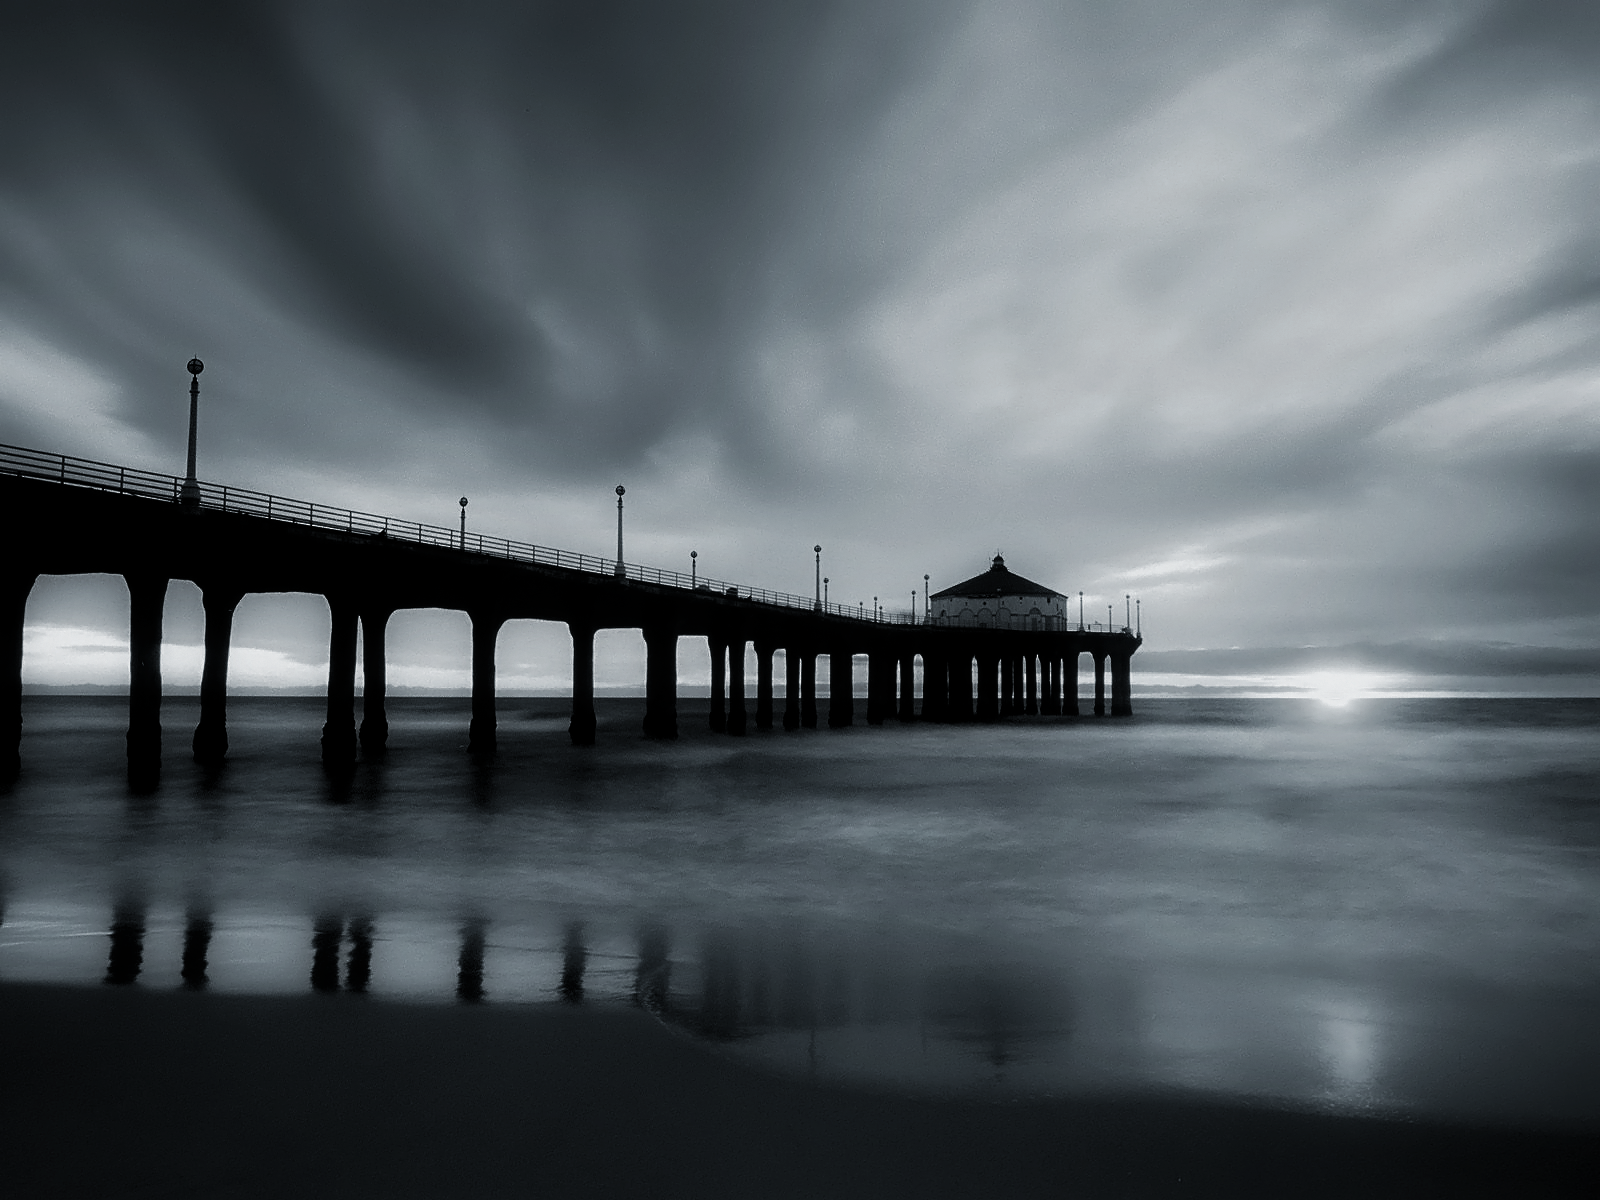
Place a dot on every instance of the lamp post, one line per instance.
(191, 485)
(694, 564)
(1127, 611)
(927, 605)
(1080, 611)
(1109, 609)
(1138, 625)
(463, 522)
(818, 549)
(619, 572)
(877, 613)
(824, 591)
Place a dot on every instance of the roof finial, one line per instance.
(999, 564)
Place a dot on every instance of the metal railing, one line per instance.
(130, 481)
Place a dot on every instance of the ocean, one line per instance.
(1390, 907)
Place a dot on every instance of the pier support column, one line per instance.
(719, 669)
(791, 688)
(661, 682)
(1100, 685)
(764, 684)
(1050, 677)
(841, 689)
(808, 689)
(210, 745)
(1069, 686)
(908, 686)
(1007, 705)
(988, 670)
(481, 739)
(339, 730)
(880, 686)
(935, 685)
(581, 728)
(1121, 685)
(147, 596)
(1031, 666)
(14, 589)
(738, 720)
(375, 682)
(960, 706)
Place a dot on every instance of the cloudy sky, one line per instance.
(1281, 317)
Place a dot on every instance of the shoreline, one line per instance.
(114, 1091)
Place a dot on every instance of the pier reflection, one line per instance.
(790, 999)
(1002, 1015)
(326, 936)
(574, 957)
(653, 976)
(126, 958)
(196, 943)
(358, 963)
(469, 973)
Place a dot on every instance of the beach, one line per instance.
(118, 1092)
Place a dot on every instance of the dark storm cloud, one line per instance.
(645, 161)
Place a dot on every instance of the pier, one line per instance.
(90, 517)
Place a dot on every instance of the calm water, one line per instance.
(1389, 906)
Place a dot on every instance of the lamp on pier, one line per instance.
(1127, 611)
(620, 572)
(927, 604)
(1138, 624)
(1080, 612)
(824, 591)
(191, 485)
(694, 564)
(463, 522)
(818, 604)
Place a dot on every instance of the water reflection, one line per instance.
(721, 998)
(654, 973)
(469, 964)
(358, 964)
(573, 958)
(1004, 1016)
(800, 1001)
(196, 942)
(127, 943)
(325, 938)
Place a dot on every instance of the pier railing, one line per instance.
(130, 481)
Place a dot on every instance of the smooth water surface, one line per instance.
(1393, 905)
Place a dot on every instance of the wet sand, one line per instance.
(125, 1091)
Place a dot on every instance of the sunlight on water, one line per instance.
(1363, 909)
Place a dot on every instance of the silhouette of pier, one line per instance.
(90, 517)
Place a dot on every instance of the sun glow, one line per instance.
(1337, 688)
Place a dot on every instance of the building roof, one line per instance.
(997, 581)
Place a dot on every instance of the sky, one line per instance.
(1279, 317)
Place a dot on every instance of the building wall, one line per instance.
(1001, 612)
